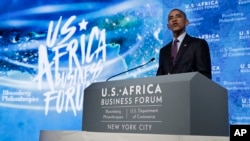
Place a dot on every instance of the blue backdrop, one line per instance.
(50, 51)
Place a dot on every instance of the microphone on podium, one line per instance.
(151, 60)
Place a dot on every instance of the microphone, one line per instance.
(151, 60)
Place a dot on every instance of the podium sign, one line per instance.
(183, 104)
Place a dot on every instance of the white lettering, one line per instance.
(65, 88)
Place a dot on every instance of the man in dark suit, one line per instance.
(184, 53)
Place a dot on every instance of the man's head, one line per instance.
(177, 21)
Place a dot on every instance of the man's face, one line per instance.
(177, 21)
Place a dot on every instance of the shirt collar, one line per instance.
(181, 37)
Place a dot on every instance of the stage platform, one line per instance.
(103, 136)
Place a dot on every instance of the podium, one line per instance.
(178, 104)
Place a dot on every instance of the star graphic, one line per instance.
(83, 24)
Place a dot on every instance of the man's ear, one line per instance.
(187, 22)
(168, 26)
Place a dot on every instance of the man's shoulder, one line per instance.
(166, 46)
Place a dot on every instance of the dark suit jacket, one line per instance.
(193, 56)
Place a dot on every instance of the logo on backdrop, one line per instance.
(243, 2)
(66, 80)
(202, 5)
(245, 102)
(216, 69)
(245, 68)
(236, 85)
(244, 34)
(214, 37)
(231, 52)
(232, 17)
(195, 21)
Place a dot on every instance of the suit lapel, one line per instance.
(169, 56)
(183, 47)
